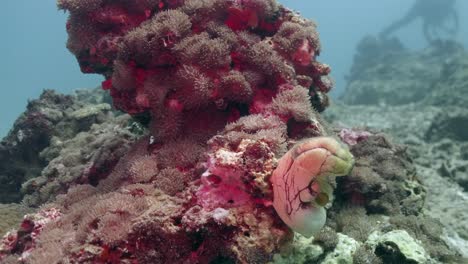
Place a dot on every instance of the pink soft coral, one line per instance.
(171, 58)
(228, 87)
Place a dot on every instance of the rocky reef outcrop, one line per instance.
(48, 121)
(225, 88)
(432, 125)
(199, 167)
(384, 72)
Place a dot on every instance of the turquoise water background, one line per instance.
(34, 57)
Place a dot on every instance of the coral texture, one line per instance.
(19, 151)
(23, 240)
(228, 87)
(172, 58)
(86, 158)
(10, 215)
(381, 198)
(432, 123)
(39, 135)
(438, 157)
(204, 195)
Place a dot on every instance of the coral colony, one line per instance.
(226, 87)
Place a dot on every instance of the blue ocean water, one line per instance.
(34, 56)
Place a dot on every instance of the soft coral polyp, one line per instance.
(117, 19)
(241, 19)
(224, 88)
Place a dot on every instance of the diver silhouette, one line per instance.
(439, 18)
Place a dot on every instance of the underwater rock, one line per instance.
(398, 246)
(451, 124)
(456, 171)
(305, 250)
(37, 140)
(357, 218)
(166, 220)
(452, 86)
(386, 73)
(86, 158)
(451, 160)
(90, 111)
(343, 252)
(301, 250)
(383, 179)
(31, 133)
(439, 164)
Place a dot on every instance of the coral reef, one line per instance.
(439, 160)
(51, 118)
(56, 139)
(86, 158)
(383, 180)
(430, 125)
(451, 87)
(19, 151)
(382, 192)
(383, 73)
(10, 216)
(23, 240)
(226, 88)
(230, 157)
(172, 57)
(377, 215)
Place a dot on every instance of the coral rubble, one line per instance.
(430, 125)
